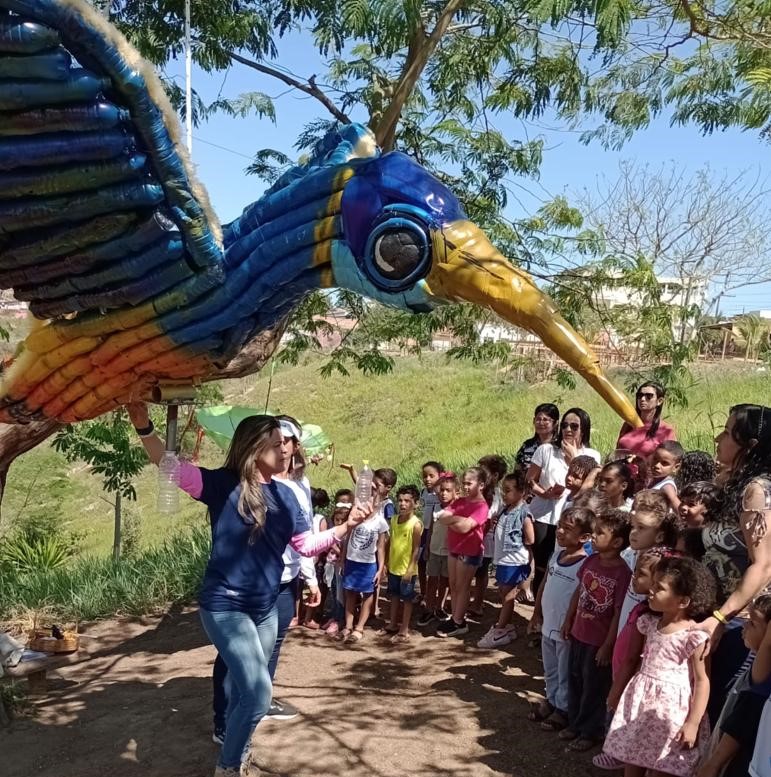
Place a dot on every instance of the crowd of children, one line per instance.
(615, 615)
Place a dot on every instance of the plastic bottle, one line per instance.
(364, 484)
(168, 484)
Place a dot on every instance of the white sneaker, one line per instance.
(495, 638)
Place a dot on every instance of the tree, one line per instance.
(751, 327)
(108, 446)
(705, 231)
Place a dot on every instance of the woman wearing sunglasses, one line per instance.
(546, 477)
(646, 438)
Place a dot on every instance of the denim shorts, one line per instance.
(472, 561)
(512, 575)
(405, 591)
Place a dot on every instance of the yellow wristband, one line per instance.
(719, 616)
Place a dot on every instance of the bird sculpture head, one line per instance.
(133, 285)
(386, 228)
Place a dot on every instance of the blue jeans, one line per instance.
(245, 641)
(287, 596)
(556, 671)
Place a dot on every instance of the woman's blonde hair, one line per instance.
(250, 441)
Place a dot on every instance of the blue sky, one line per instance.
(222, 148)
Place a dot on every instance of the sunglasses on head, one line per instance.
(572, 425)
(646, 395)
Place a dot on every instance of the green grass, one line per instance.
(95, 587)
(428, 408)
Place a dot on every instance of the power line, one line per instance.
(222, 148)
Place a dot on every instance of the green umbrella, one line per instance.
(220, 423)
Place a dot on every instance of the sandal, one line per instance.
(557, 721)
(567, 734)
(581, 745)
(400, 638)
(343, 634)
(386, 632)
(357, 635)
(540, 710)
(607, 762)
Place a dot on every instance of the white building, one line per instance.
(673, 292)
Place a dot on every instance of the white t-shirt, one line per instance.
(362, 542)
(488, 543)
(631, 599)
(294, 563)
(760, 766)
(559, 586)
(554, 468)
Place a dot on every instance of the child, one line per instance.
(429, 502)
(465, 519)
(651, 524)
(659, 723)
(403, 552)
(551, 605)
(383, 480)
(696, 465)
(577, 479)
(319, 501)
(664, 466)
(495, 467)
(332, 575)
(591, 625)
(447, 488)
(513, 534)
(737, 728)
(616, 483)
(698, 503)
(626, 652)
(365, 561)
(577, 485)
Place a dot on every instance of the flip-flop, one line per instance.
(581, 745)
(386, 632)
(540, 710)
(400, 638)
(607, 762)
(555, 722)
(567, 734)
(355, 636)
(343, 634)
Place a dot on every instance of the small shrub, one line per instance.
(28, 554)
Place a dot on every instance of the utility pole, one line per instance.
(188, 79)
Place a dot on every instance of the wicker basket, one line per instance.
(43, 641)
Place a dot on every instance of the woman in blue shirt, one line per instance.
(253, 519)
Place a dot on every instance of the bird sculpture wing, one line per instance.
(104, 230)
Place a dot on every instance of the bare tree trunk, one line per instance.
(116, 541)
(16, 439)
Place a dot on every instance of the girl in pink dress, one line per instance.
(659, 724)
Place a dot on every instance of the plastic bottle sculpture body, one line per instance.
(364, 484)
(168, 484)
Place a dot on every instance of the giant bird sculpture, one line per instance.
(134, 286)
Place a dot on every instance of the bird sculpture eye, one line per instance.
(397, 253)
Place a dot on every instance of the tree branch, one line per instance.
(310, 87)
(421, 49)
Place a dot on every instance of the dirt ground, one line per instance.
(141, 706)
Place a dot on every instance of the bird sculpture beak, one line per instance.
(468, 267)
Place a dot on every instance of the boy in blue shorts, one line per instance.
(403, 552)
